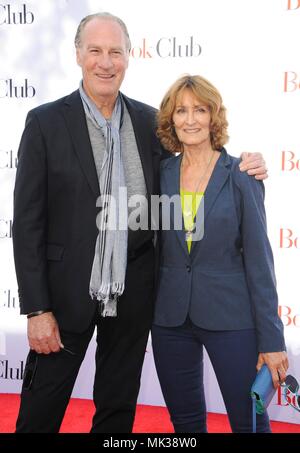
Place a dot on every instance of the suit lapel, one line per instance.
(76, 122)
(172, 175)
(217, 180)
(142, 130)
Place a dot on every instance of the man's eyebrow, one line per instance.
(94, 46)
(97, 46)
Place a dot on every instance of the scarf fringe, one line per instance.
(107, 296)
(109, 309)
(107, 291)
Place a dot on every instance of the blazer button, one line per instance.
(188, 268)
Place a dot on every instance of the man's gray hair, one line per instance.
(106, 16)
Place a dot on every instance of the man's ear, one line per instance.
(78, 56)
(127, 63)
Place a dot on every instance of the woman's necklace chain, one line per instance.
(189, 213)
(203, 174)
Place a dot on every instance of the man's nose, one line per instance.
(105, 61)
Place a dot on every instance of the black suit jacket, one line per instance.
(54, 228)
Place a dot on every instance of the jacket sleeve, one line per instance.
(30, 219)
(258, 262)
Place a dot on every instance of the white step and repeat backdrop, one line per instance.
(248, 49)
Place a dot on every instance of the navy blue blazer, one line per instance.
(227, 282)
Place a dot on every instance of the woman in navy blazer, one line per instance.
(217, 290)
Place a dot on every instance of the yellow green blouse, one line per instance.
(189, 204)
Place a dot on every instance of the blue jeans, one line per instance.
(178, 355)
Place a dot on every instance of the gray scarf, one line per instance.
(109, 267)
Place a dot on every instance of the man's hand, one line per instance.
(43, 334)
(254, 165)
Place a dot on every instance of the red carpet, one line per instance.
(149, 419)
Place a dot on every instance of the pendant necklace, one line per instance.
(189, 213)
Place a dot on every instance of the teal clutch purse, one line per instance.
(262, 390)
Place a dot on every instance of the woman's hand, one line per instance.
(277, 362)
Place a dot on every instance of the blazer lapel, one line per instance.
(172, 175)
(217, 180)
(142, 132)
(75, 118)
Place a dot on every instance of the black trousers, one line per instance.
(121, 344)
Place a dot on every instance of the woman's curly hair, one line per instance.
(207, 94)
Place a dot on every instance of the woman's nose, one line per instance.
(190, 119)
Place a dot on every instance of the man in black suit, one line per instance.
(70, 152)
